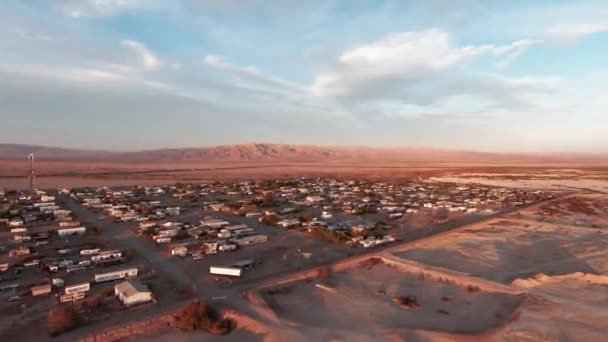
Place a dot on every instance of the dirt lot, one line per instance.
(569, 310)
(360, 300)
(581, 210)
(564, 179)
(55, 174)
(506, 249)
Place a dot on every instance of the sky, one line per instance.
(489, 75)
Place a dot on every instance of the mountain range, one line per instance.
(258, 152)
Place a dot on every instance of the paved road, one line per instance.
(122, 237)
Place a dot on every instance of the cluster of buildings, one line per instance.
(209, 236)
(18, 209)
(45, 251)
(342, 206)
(138, 204)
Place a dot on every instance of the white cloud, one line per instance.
(62, 73)
(573, 33)
(516, 50)
(105, 8)
(148, 59)
(406, 56)
(251, 75)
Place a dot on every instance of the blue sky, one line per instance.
(143, 74)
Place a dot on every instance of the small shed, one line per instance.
(132, 292)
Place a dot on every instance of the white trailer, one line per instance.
(71, 231)
(227, 271)
(109, 276)
(90, 251)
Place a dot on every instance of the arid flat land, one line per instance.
(549, 178)
(358, 303)
(583, 210)
(503, 250)
(58, 173)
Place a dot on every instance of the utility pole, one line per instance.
(32, 175)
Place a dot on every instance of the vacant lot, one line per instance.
(580, 210)
(361, 300)
(505, 249)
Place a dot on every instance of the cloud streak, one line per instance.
(148, 59)
(573, 33)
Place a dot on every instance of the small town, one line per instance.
(295, 171)
(50, 250)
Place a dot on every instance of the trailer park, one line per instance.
(106, 250)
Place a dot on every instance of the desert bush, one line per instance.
(408, 302)
(322, 273)
(473, 288)
(326, 235)
(268, 200)
(306, 217)
(371, 262)
(198, 315)
(107, 292)
(270, 220)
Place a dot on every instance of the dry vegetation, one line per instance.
(407, 302)
(199, 316)
(322, 273)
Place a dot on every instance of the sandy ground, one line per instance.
(582, 183)
(581, 210)
(178, 336)
(507, 249)
(562, 267)
(355, 308)
(56, 174)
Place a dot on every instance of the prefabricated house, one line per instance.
(226, 271)
(41, 290)
(109, 276)
(227, 247)
(19, 252)
(89, 251)
(58, 282)
(106, 255)
(66, 224)
(132, 292)
(19, 230)
(71, 231)
(236, 227)
(180, 251)
(160, 240)
(250, 240)
(15, 222)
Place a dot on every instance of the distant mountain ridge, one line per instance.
(257, 152)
